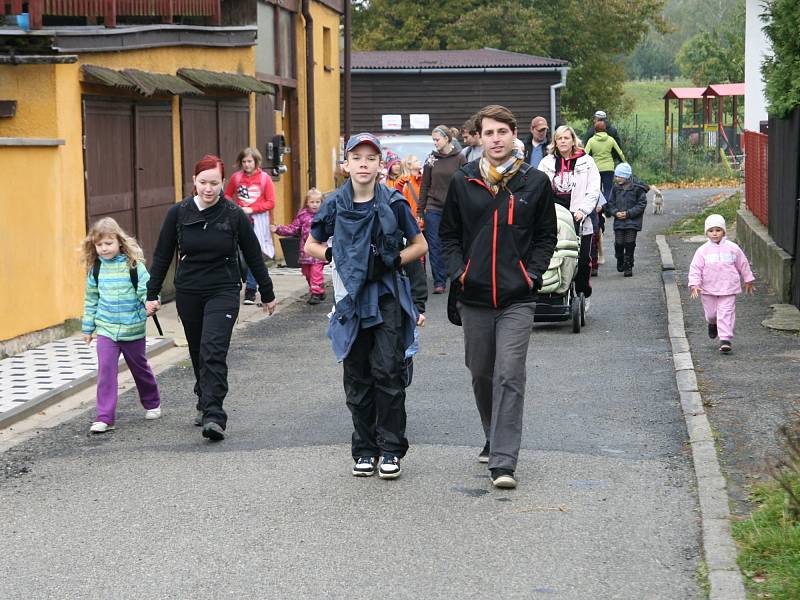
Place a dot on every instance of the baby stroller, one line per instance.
(557, 299)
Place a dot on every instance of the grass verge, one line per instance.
(695, 224)
(769, 545)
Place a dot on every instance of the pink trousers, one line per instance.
(722, 311)
(314, 277)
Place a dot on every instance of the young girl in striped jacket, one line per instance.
(114, 311)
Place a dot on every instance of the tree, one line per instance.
(715, 56)
(782, 70)
(656, 55)
(593, 35)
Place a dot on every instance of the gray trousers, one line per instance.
(496, 346)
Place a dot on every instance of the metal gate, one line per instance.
(212, 126)
(129, 167)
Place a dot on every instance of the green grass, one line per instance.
(648, 101)
(695, 224)
(769, 546)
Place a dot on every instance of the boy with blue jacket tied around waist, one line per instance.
(372, 326)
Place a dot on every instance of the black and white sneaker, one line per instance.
(483, 457)
(249, 296)
(390, 467)
(712, 330)
(365, 466)
(503, 478)
(725, 346)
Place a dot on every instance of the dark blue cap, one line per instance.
(363, 138)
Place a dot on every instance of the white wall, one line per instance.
(756, 46)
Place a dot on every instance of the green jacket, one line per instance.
(599, 147)
(112, 308)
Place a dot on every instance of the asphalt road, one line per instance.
(605, 507)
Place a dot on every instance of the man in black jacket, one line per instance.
(536, 143)
(498, 234)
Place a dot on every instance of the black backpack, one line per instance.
(134, 274)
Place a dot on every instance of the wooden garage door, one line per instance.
(212, 126)
(108, 158)
(129, 166)
(155, 173)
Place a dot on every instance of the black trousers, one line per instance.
(208, 319)
(374, 386)
(624, 236)
(584, 267)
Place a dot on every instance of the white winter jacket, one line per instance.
(586, 193)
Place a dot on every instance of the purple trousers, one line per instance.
(108, 368)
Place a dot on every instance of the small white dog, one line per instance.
(658, 200)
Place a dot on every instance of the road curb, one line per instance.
(719, 549)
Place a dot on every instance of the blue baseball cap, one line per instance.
(363, 138)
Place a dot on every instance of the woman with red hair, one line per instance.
(208, 231)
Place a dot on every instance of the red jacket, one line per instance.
(260, 191)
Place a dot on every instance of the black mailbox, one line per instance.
(275, 150)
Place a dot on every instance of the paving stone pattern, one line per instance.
(40, 371)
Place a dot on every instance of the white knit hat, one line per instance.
(716, 221)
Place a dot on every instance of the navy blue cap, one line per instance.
(363, 138)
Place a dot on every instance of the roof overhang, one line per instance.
(469, 70)
(145, 83)
(226, 81)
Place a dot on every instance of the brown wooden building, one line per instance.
(450, 85)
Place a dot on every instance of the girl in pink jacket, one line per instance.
(718, 268)
(301, 225)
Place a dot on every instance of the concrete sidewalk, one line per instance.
(40, 377)
(749, 393)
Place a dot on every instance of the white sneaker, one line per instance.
(100, 427)
(152, 413)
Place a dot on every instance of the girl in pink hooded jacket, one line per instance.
(301, 225)
(718, 268)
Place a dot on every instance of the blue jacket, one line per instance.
(352, 237)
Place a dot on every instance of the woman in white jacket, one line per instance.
(576, 186)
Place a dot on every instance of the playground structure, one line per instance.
(711, 121)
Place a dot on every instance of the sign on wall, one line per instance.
(392, 121)
(419, 121)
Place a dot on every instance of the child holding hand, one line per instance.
(718, 268)
(310, 266)
(114, 310)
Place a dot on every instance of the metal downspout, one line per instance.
(310, 109)
(553, 88)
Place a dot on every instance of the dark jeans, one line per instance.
(606, 182)
(374, 386)
(433, 219)
(208, 319)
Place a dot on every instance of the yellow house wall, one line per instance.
(43, 200)
(326, 96)
(326, 99)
